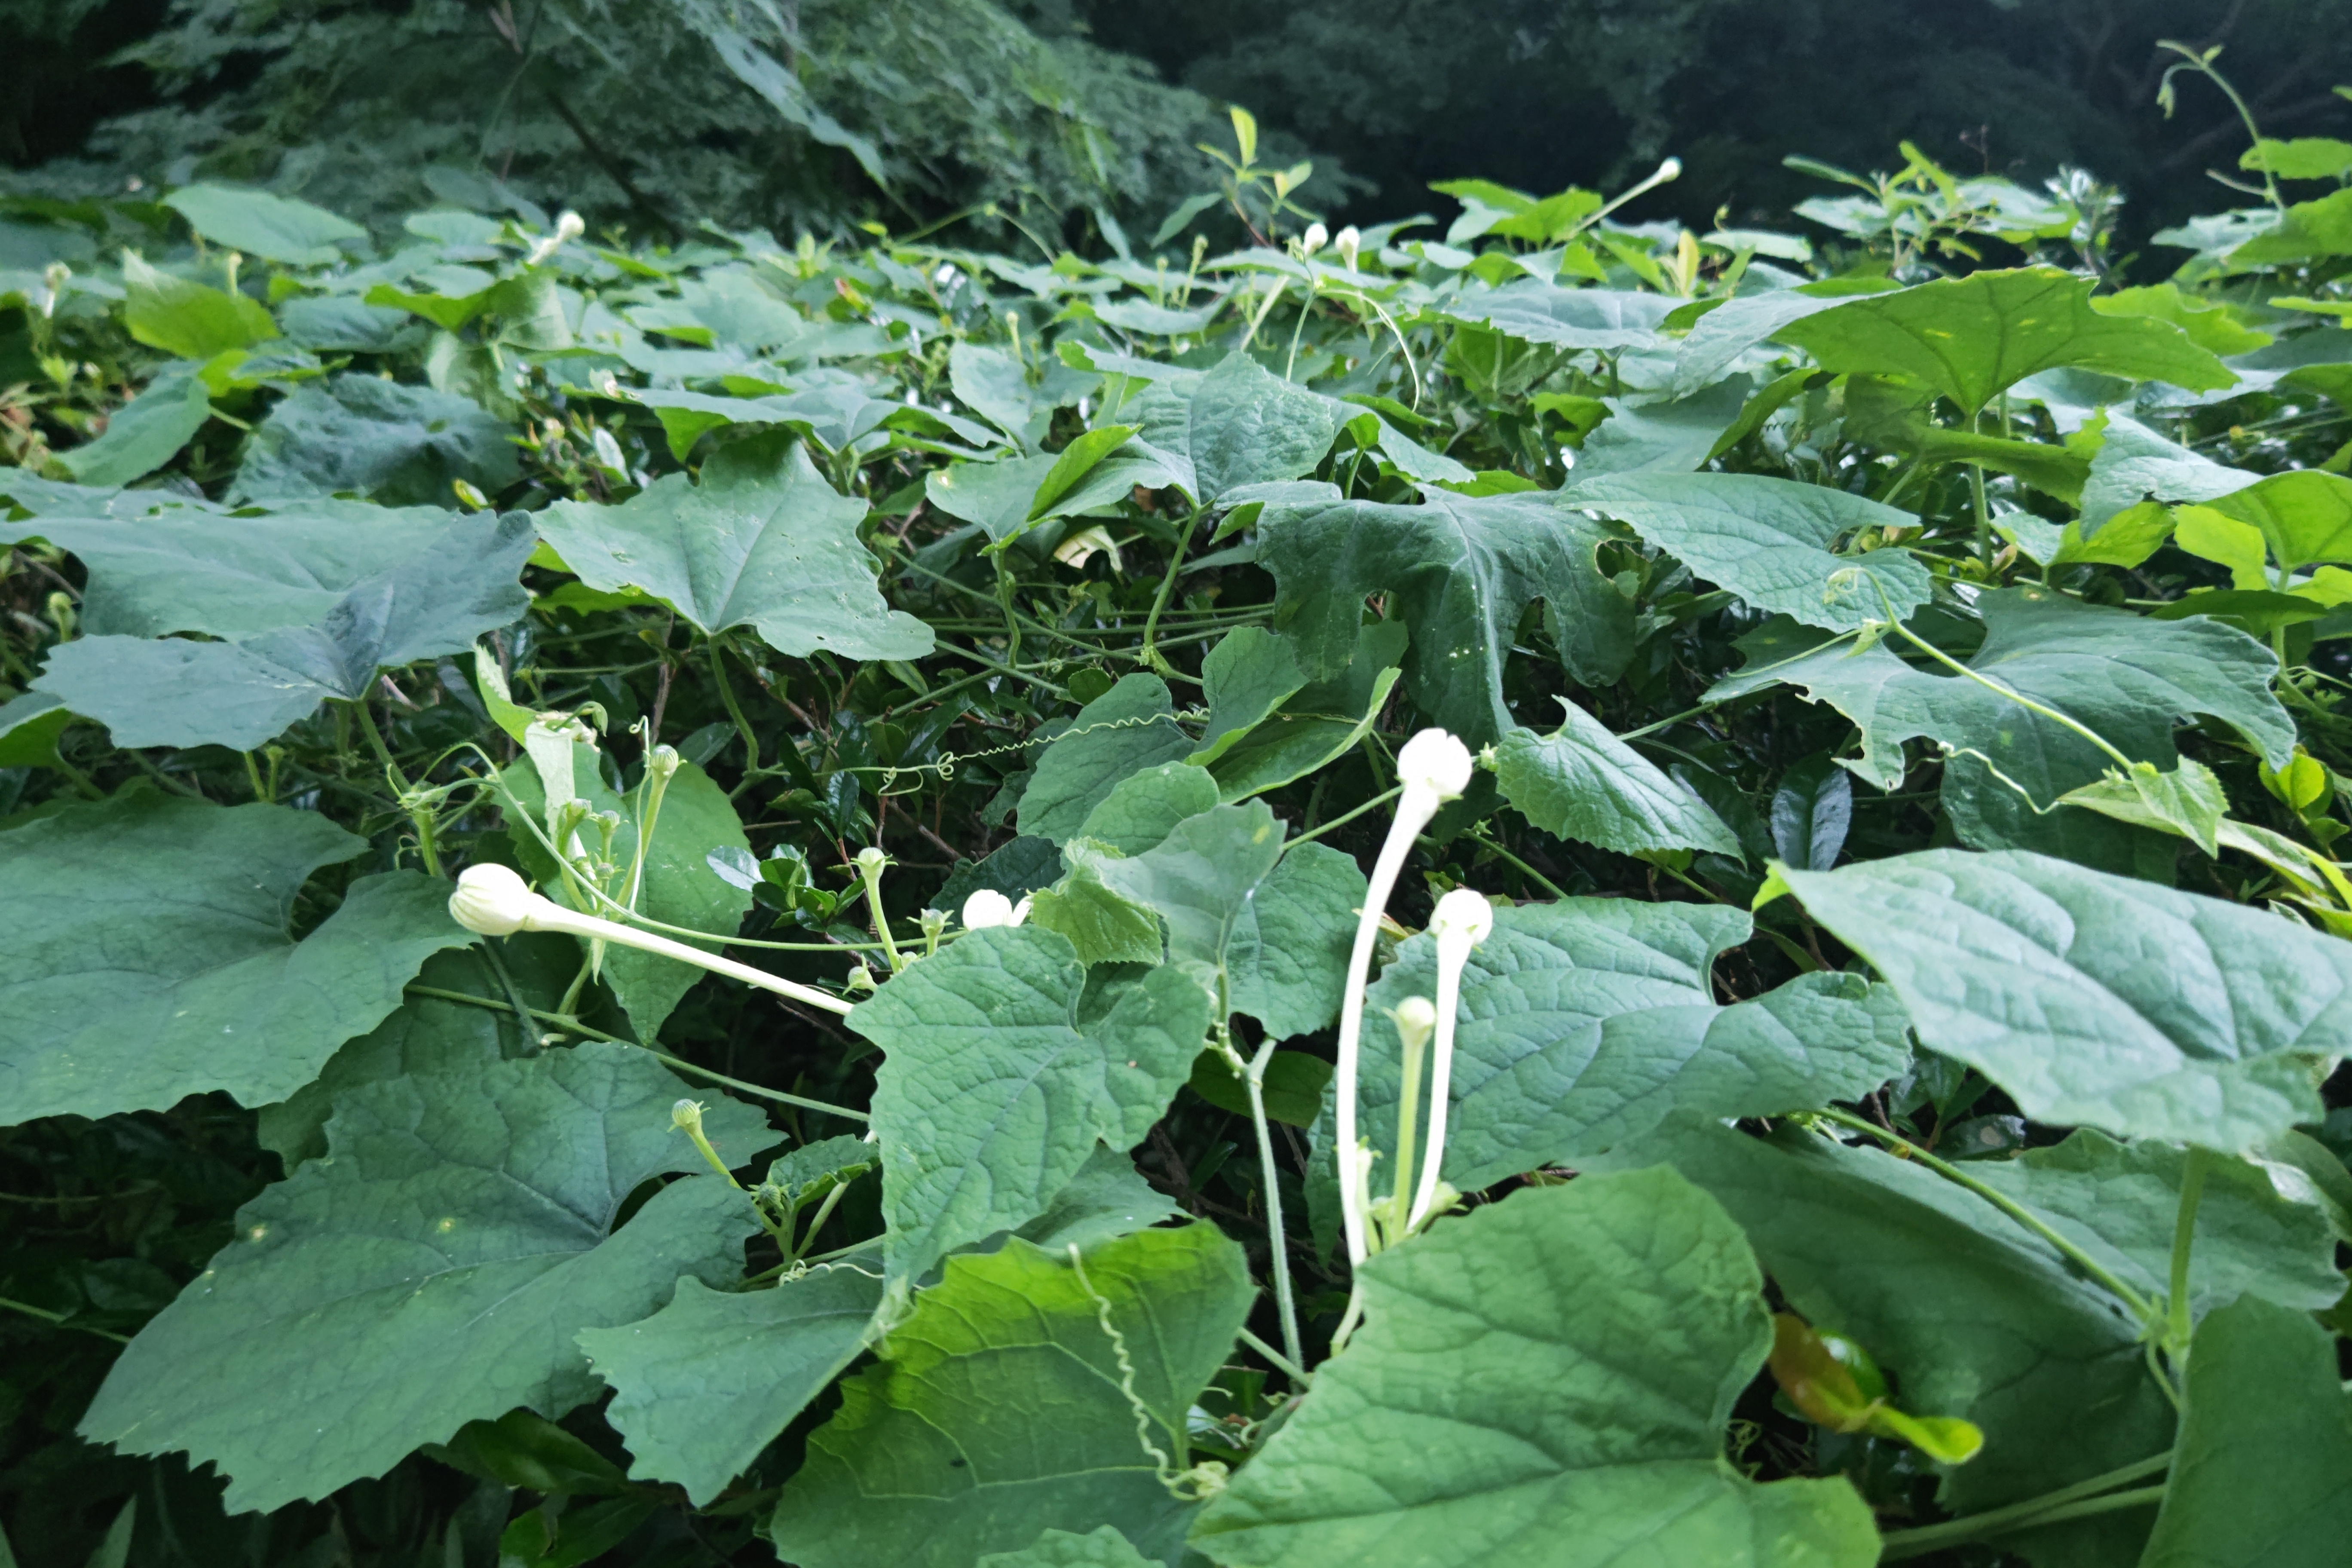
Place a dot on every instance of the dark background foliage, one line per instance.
(1059, 107)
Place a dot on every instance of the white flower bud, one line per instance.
(1348, 242)
(1672, 169)
(1461, 920)
(492, 901)
(1417, 1020)
(987, 908)
(1314, 239)
(1436, 762)
(870, 861)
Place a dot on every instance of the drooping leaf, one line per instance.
(2303, 516)
(186, 319)
(29, 728)
(1545, 1381)
(2260, 1473)
(231, 577)
(705, 1384)
(2125, 677)
(763, 541)
(433, 1270)
(1584, 783)
(145, 433)
(1129, 728)
(1273, 930)
(1813, 810)
(678, 886)
(1104, 925)
(1249, 674)
(2135, 464)
(159, 965)
(1768, 541)
(1972, 338)
(274, 228)
(1533, 312)
(1462, 570)
(1665, 435)
(1002, 1072)
(1587, 1022)
(1968, 1312)
(2097, 1000)
(997, 1410)
(401, 445)
(2119, 1202)
(170, 692)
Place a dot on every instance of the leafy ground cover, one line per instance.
(1554, 893)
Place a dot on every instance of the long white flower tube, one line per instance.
(1462, 921)
(1433, 768)
(494, 901)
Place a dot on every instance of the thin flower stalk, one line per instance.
(1463, 922)
(1432, 769)
(492, 901)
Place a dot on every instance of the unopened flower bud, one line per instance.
(1416, 1019)
(662, 761)
(492, 901)
(1314, 239)
(1436, 763)
(686, 1116)
(1348, 242)
(1461, 921)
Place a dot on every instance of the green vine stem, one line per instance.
(2067, 1502)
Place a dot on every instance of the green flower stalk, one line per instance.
(871, 862)
(492, 901)
(1433, 768)
(1462, 921)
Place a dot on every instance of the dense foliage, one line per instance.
(1863, 944)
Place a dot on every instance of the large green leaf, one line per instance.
(1143, 809)
(171, 693)
(678, 887)
(1128, 728)
(2099, 1000)
(1315, 725)
(1269, 930)
(1662, 434)
(187, 319)
(1973, 338)
(1768, 541)
(2304, 516)
(1583, 783)
(2262, 1476)
(705, 1384)
(2127, 677)
(402, 445)
(1003, 1407)
(2119, 1202)
(763, 541)
(1238, 424)
(2135, 464)
(1971, 1313)
(1542, 1384)
(1002, 1070)
(1534, 311)
(1463, 569)
(431, 1271)
(1249, 674)
(158, 964)
(1587, 1022)
(145, 433)
(1105, 1548)
(231, 577)
(274, 228)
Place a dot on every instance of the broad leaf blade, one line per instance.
(1544, 1382)
(2099, 1000)
(432, 1271)
(160, 965)
(1584, 783)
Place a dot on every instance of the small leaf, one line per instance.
(1811, 812)
(185, 319)
(1249, 674)
(145, 433)
(1129, 728)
